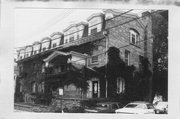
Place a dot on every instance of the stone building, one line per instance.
(48, 65)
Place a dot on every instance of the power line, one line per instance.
(120, 25)
(95, 24)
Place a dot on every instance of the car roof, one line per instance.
(139, 102)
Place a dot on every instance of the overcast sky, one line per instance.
(34, 24)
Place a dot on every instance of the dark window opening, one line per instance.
(54, 45)
(127, 53)
(94, 59)
(71, 39)
(35, 52)
(94, 31)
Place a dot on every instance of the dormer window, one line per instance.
(93, 31)
(95, 23)
(44, 48)
(134, 37)
(94, 59)
(34, 52)
(71, 39)
(66, 41)
(54, 45)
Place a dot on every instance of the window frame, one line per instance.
(71, 39)
(127, 58)
(136, 37)
(94, 31)
(94, 61)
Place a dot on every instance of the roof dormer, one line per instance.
(45, 44)
(74, 32)
(28, 51)
(96, 23)
(36, 47)
(21, 54)
(56, 39)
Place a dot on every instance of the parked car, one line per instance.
(161, 107)
(104, 107)
(137, 107)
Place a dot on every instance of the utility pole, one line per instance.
(105, 33)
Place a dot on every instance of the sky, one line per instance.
(34, 24)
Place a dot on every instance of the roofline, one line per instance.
(95, 15)
(75, 25)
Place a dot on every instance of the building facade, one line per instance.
(60, 61)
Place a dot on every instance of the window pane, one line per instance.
(54, 45)
(93, 31)
(94, 59)
(133, 39)
(71, 39)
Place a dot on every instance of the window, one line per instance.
(134, 37)
(43, 68)
(66, 41)
(71, 39)
(35, 52)
(54, 45)
(120, 85)
(44, 48)
(41, 87)
(77, 36)
(20, 69)
(127, 54)
(34, 66)
(140, 61)
(20, 87)
(93, 31)
(94, 59)
(34, 87)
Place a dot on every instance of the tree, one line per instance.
(160, 53)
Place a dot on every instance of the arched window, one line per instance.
(134, 37)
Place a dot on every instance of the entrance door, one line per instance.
(95, 89)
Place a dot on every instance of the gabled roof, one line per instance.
(55, 54)
(75, 25)
(56, 33)
(94, 15)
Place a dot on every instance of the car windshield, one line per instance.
(135, 106)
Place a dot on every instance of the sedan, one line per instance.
(104, 107)
(161, 107)
(138, 107)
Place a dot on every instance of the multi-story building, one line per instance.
(48, 65)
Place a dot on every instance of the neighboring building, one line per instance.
(46, 66)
